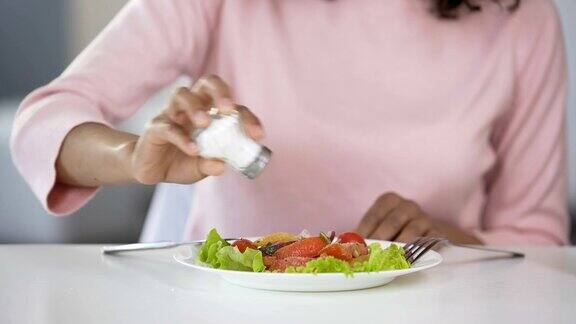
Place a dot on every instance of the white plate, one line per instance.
(307, 281)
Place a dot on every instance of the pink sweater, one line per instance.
(359, 98)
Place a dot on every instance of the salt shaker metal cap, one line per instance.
(225, 139)
(255, 168)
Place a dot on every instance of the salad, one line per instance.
(284, 252)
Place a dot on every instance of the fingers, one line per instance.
(167, 153)
(211, 167)
(251, 123)
(192, 169)
(207, 92)
(415, 228)
(395, 221)
(161, 130)
(376, 214)
(188, 109)
(214, 91)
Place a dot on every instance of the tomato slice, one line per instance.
(243, 244)
(308, 248)
(351, 237)
(282, 264)
(338, 251)
(269, 261)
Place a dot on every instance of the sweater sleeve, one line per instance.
(146, 47)
(527, 192)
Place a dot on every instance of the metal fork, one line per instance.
(421, 245)
(150, 246)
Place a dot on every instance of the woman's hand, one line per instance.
(167, 153)
(395, 218)
(94, 154)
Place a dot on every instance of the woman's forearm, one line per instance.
(93, 155)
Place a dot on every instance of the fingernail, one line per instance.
(226, 103)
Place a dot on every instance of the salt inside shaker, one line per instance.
(225, 139)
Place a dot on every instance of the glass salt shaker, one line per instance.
(225, 139)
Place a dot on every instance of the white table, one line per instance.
(76, 284)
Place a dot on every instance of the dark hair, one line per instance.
(448, 9)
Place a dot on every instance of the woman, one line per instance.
(385, 116)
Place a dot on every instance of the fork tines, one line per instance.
(420, 246)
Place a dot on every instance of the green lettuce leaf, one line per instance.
(217, 253)
(230, 258)
(391, 258)
(210, 247)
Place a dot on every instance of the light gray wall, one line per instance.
(33, 43)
